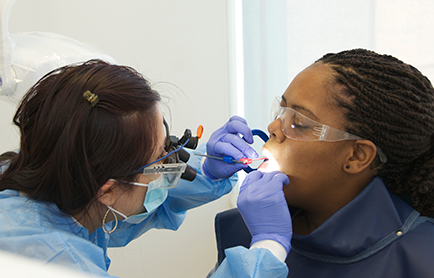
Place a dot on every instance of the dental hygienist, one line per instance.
(94, 171)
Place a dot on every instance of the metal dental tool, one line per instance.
(230, 159)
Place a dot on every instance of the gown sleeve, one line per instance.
(201, 190)
(186, 195)
(241, 262)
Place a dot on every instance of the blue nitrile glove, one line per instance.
(262, 204)
(226, 141)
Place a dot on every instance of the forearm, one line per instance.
(201, 190)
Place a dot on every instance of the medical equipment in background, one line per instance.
(25, 57)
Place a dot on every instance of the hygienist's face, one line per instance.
(132, 201)
(314, 168)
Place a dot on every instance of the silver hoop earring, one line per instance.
(103, 221)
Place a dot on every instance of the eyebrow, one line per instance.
(302, 108)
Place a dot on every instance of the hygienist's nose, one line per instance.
(275, 130)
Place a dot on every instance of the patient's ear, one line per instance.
(361, 156)
(106, 193)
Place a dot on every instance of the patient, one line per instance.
(354, 134)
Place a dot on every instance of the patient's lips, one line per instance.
(264, 165)
(270, 164)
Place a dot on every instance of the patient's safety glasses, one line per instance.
(297, 126)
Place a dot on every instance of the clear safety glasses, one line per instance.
(166, 171)
(163, 175)
(297, 126)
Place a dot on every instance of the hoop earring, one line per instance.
(103, 221)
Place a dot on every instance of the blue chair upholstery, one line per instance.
(230, 231)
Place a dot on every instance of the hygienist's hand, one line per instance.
(262, 204)
(225, 141)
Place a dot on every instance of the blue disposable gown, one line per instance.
(40, 230)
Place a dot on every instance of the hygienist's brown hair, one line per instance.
(71, 146)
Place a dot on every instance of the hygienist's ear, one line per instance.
(106, 193)
(361, 157)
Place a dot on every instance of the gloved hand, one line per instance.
(263, 207)
(225, 141)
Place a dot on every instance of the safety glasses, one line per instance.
(166, 171)
(297, 126)
(162, 175)
(166, 174)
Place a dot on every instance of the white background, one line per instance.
(282, 37)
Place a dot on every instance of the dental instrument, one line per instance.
(230, 159)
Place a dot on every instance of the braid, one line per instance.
(391, 104)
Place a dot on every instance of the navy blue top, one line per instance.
(377, 234)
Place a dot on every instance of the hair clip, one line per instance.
(92, 98)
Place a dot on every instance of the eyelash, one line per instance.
(296, 124)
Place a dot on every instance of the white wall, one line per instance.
(182, 46)
(283, 37)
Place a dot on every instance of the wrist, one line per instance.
(277, 249)
(282, 239)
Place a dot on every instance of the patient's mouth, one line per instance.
(264, 165)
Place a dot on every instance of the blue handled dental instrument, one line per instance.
(230, 159)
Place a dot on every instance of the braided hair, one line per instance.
(392, 104)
